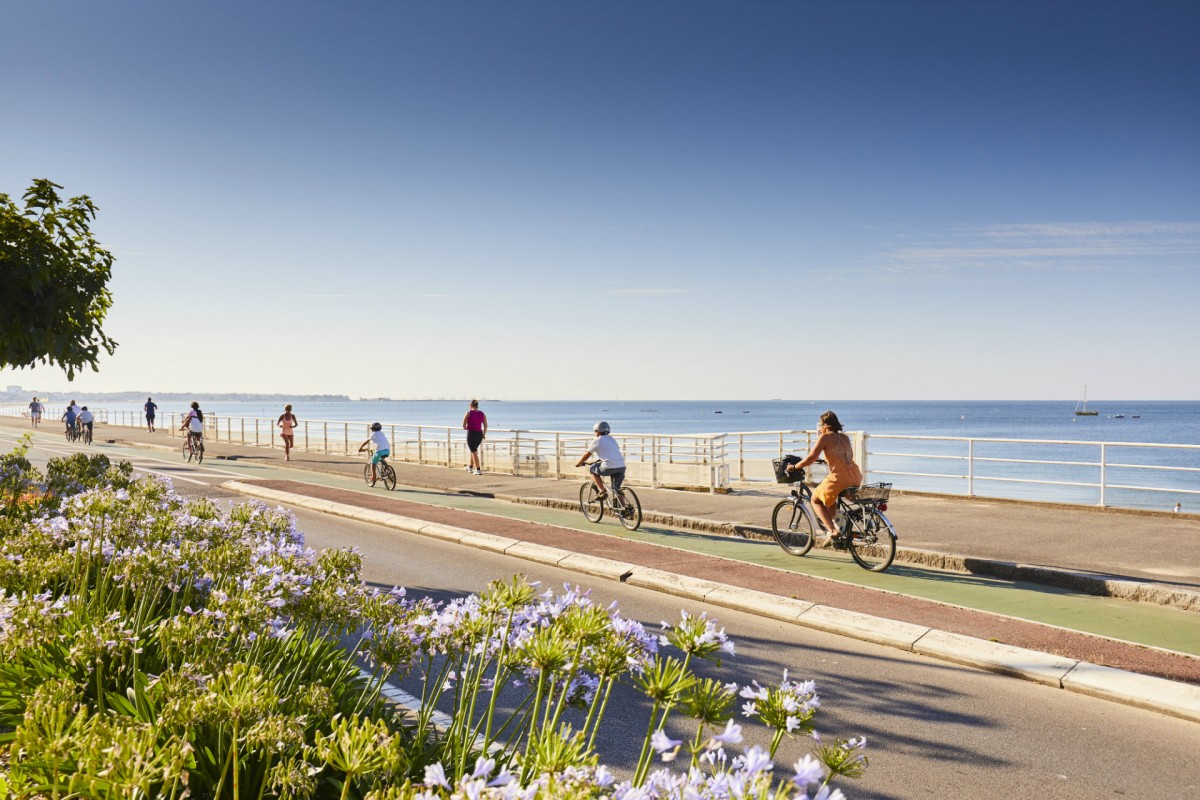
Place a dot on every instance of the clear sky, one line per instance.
(908, 199)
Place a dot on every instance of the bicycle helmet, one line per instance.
(375, 426)
(601, 428)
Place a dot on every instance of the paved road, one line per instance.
(935, 729)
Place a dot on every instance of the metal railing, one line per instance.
(1123, 474)
(1094, 473)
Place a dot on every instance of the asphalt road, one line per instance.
(934, 729)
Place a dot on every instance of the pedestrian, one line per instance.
(1178, 507)
(475, 424)
(288, 422)
(151, 408)
(36, 409)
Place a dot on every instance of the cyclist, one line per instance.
(193, 423)
(843, 472)
(610, 463)
(86, 419)
(377, 441)
(69, 417)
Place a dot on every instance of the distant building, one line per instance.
(15, 390)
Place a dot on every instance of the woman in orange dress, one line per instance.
(843, 472)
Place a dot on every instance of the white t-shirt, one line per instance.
(380, 441)
(608, 451)
(195, 424)
(74, 409)
(86, 416)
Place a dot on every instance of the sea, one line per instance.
(1066, 473)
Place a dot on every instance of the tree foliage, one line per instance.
(53, 281)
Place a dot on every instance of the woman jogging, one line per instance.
(288, 422)
(475, 424)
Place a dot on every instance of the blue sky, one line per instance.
(682, 200)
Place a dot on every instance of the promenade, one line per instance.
(717, 538)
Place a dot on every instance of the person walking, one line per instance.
(151, 409)
(36, 409)
(475, 424)
(287, 422)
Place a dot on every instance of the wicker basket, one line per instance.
(873, 493)
(781, 473)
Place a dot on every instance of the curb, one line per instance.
(1163, 696)
(1085, 582)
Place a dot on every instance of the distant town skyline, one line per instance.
(856, 200)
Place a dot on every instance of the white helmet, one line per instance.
(601, 428)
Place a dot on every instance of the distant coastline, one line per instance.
(139, 396)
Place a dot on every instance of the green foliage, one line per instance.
(53, 281)
(79, 472)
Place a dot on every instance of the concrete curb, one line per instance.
(1086, 582)
(1154, 694)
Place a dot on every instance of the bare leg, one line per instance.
(825, 514)
(596, 479)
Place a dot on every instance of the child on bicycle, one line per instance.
(378, 442)
(86, 420)
(610, 463)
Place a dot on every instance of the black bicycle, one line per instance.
(861, 526)
(623, 502)
(72, 432)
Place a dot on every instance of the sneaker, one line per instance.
(478, 472)
(470, 468)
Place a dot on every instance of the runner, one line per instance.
(151, 410)
(288, 422)
(36, 409)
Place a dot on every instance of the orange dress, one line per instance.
(843, 472)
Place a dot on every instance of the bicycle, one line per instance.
(623, 503)
(384, 472)
(72, 432)
(193, 447)
(862, 527)
(87, 433)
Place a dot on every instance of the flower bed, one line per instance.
(152, 646)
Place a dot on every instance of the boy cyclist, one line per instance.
(610, 462)
(378, 442)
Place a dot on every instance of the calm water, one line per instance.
(1159, 422)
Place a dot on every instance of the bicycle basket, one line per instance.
(781, 473)
(873, 493)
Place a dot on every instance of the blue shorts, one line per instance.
(379, 455)
(617, 474)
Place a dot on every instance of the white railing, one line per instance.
(1101, 473)
(1120, 474)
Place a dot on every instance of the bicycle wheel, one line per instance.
(367, 475)
(873, 541)
(630, 512)
(199, 450)
(793, 526)
(389, 476)
(590, 503)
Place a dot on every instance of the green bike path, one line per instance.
(1141, 623)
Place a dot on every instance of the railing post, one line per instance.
(864, 448)
(1103, 473)
(742, 457)
(970, 467)
(557, 456)
(449, 447)
(516, 464)
(653, 462)
(256, 426)
(712, 467)
(420, 445)
(346, 438)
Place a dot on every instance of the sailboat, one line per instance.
(1081, 409)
